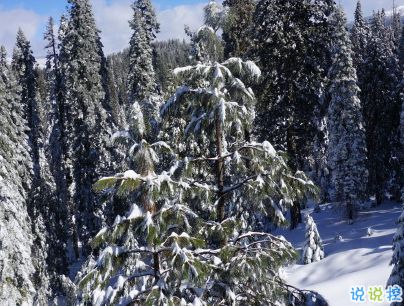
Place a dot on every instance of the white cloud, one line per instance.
(112, 19)
(11, 20)
(172, 21)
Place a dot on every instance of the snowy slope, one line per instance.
(357, 260)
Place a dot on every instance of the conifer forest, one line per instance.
(260, 161)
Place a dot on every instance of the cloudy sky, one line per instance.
(112, 18)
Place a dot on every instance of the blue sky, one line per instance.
(112, 18)
(50, 7)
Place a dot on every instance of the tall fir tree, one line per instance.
(237, 27)
(213, 98)
(347, 141)
(359, 37)
(379, 98)
(397, 274)
(23, 63)
(206, 45)
(16, 259)
(142, 85)
(395, 28)
(214, 15)
(396, 180)
(291, 41)
(55, 148)
(87, 124)
(401, 129)
(153, 253)
(142, 78)
(42, 189)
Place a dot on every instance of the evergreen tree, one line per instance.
(42, 189)
(169, 55)
(397, 274)
(401, 129)
(291, 40)
(313, 248)
(117, 111)
(347, 143)
(154, 254)
(206, 45)
(395, 28)
(214, 15)
(55, 151)
(359, 37)
(87, 126)
(237, 28)
(23, 64)
(18, 267)
(401, 49)
(379, 97)
(235, 179)
(142, 79)
(142, 85)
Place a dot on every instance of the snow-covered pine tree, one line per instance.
(294, 61)
(360, 33)
(380, 103)
(239, 181)
(214, 15)
(117, 111)
(147, 257)
(401, 49)
(23, 64)
(395, 28)
(397, 274)
(396, 176)
(42, 188)
(400, 155)
(313, 249)
(87, 124)
(401, 129)
(142, 86)
(206, 45)
(55, 146)
(16, 285)
(347, 142)
(142, 79)
(237, 27)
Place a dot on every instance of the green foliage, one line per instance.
(257, 183)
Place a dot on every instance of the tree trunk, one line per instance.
(71, 211)
(220, 169)
(295, 210)
(350, 211)
(295, 215)
(75, 241)
(156, 266)
(379, 198)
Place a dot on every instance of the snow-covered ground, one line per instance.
(356, 260)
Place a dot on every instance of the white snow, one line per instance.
(120, 135)
(130, 174)
(357, 260)
(135, 212)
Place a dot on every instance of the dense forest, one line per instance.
(156, 175)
